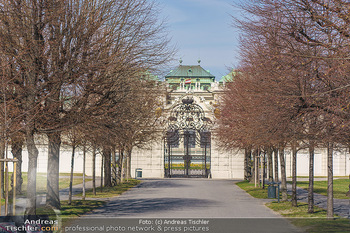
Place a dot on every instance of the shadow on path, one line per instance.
(141, 206)
(161, 184)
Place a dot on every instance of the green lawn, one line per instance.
(340, 187)
(250, 188)
(286, 209)
(70, 212)
(68, 174)
(111, 191)
(315, 222)
(76, 209)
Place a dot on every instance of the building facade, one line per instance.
(194, 82)
(187, 146)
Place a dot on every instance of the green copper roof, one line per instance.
(193, 80)
(229, 77)
(189, 72)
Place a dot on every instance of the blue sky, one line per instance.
(203, 29)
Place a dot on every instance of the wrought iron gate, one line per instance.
(187, 142)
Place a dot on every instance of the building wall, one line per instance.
(65, 160)
(224, 164)
(341, 162)
(150, 160)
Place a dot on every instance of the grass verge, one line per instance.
(315, 222)
(111, 191)
(250, 188)
(70, 212)
(76, 209)
(68, 174)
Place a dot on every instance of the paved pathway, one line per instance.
(193, 198)
(186, 198)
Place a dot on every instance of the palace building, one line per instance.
(187, 146)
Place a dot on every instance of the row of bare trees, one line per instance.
(293, 86)
(77, 71)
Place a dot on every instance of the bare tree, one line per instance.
(295, 51)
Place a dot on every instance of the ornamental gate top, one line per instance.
(188, 116)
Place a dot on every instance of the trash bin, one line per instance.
(138, 173)
(271, 191)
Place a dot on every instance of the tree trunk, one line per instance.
(253, 177)
(114, 167)
(294, 175)
(262, 164)
(32, 170)
(269, 158)
(107, 167)
(84, 164)
(120, 166)
(53, 191)
(94, 170)
(330, 208)
(247, 168)
(127, 167)
(122, 175)
(2, 156)
(128, 164)
(257, 177)
(275, 153)
(16, 149)
(102, 161)
(283, 175)
(71, 177)
(310, 195)
(30, 78)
